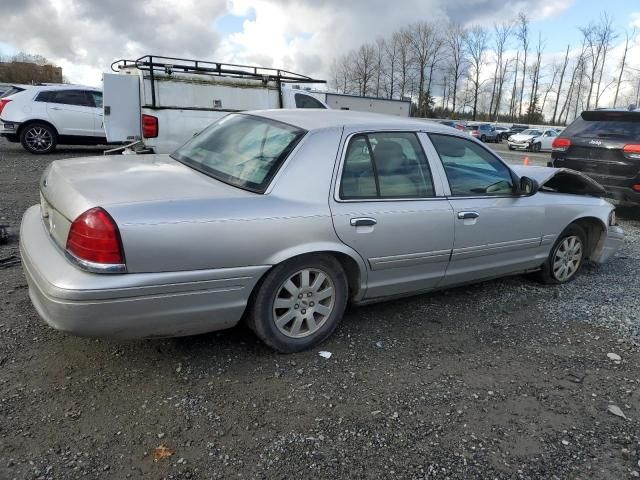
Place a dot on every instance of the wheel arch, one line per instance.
(31, 121)
(352, 263)
(595, 230)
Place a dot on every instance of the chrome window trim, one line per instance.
(342, 152)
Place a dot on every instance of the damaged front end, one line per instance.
(562, 180)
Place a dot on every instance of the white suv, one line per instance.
(41, 117)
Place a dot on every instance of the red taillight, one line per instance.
(149, 126)
(3, 103)
(632, 150)
(94, 237)
(561, 144)
(636, 187)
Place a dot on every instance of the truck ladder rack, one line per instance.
(169, 65)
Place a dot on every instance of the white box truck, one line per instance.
(155, 104)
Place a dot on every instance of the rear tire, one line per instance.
(299, 303)
(39, 138)
(566, 257)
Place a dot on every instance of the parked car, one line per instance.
(503, 132)
(604, 144)
(483, 132)
(41, 117)
(524, 139)
(543, 142)
(348, 207)
(515, 128)
(452, 124)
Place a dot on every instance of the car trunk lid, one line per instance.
(70, 187)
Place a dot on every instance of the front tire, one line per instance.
(39, 138)
(535, 147)
(566, 257)
(483, 138)
(299, 303)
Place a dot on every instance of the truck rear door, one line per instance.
(121, 107)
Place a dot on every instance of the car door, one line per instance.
(72, 112)
(497, 230)
(547, 139)
(389, 207)
(98, 119)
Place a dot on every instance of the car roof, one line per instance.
(316, 119)
(61, 87)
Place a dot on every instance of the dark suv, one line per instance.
(605, 145)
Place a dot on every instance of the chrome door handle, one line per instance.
(468, 215)
(363, 222)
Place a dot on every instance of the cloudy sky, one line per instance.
(85, 36)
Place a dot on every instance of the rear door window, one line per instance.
(385, 165)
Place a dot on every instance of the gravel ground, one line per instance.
(504, 379)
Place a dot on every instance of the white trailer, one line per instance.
(155, 104)
(400, 108)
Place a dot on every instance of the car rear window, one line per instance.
(11, 91)
(624, 125)
(242, 150)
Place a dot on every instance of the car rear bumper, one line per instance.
(130, 305)
(9, 129)
(613, 242)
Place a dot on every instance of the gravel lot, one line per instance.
(505, 379)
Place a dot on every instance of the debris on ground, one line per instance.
(324, 354)
(614, 357)
(4, 233)
(616, 411)
(162, 452)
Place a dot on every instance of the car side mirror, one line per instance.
(528, 186)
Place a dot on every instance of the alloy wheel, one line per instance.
(567, 258)
(303, 303)
(38, 139)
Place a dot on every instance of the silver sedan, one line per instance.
(281, 218)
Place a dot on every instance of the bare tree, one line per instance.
(514, 91)
(423, 39)
(476, 45)
(564, 68)
(535, 78)
(501, 34)
(391, 53)
(597, 37)
(455, 41)
(364, 68)
(523, 36)
(404, 61)
(380, 47)
(622, 64)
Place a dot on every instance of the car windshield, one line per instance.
(530, 132)
(242, 150)
(624, 125)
